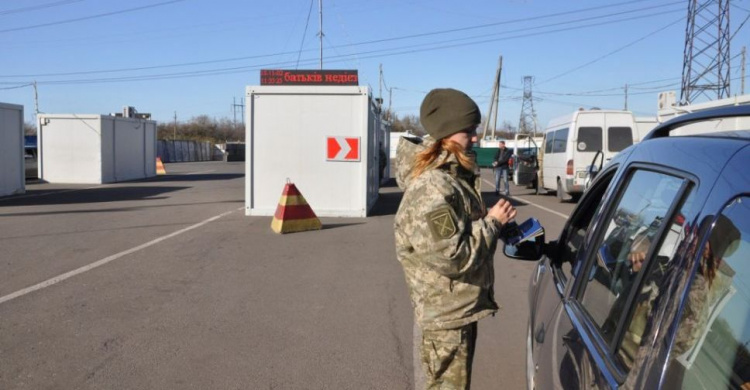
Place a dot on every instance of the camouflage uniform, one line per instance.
(445, 244)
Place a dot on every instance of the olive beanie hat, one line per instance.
(447, 111)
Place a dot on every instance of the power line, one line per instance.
(612, 52)
(598, 17)
(307, 23)
(90, 17)
(38, 7)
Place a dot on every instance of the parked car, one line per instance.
(648, 285)
(31, 163)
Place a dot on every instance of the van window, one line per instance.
(589, 139)
(548, 138)
(560, 142)
(711, 344)
(629, 233)
(619, 138)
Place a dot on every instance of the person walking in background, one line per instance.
(446, 238)
(502, 164)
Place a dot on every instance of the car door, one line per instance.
(596, 333)
(551, 365)
(525, 160)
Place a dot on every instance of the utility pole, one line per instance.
(36, 100)
(626, 97)
(742, 69)
(238, 107)
(380, 86)
(493, 102)
(234, 111)
(320, 34)
(174, 129)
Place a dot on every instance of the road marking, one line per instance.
(492, 185)
(99, 263)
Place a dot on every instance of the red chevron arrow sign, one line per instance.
(343, 149)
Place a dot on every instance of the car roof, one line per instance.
(665, 128)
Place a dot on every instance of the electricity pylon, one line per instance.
(527, 122)
(705, 67)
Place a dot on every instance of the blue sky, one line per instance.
(194, 56)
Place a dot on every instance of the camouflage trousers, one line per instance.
(447, 357)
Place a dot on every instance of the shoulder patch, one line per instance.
(442, 223)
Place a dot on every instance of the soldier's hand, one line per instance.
(502, 211)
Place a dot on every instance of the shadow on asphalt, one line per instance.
(190, 177)
(90, 195)
(327, 226)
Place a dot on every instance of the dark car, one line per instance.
(648, 285)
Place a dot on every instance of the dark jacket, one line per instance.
(502, 157)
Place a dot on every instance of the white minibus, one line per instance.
(572, 141)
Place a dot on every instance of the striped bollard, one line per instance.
(293, 214)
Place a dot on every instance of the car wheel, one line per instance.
(561, 195)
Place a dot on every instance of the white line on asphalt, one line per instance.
(492, 185)
(99, 263)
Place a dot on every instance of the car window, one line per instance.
(656, 268)
(572, 239)
(560, 143)
(628, 235)
(619, 138)
(589, 139)
(711, 343)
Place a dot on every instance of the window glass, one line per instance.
(589, 139)
(548, 138)
(619, 138)
(629, 233)
(657, 269)
(711, 344)
(560, 142)
(572, 239)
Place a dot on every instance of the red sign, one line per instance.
(343, 149)
(308, 77)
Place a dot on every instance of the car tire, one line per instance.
(561, 195)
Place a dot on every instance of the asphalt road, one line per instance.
(166, 284)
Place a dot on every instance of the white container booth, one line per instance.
(324, 139)
(95, 149)
(12, 171)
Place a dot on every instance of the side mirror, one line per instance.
(527, 250)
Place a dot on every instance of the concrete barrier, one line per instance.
(186, 151)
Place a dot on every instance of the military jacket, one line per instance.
(444, 241)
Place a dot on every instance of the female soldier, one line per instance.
(445, 237)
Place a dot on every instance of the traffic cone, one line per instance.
(160, 167)
(293, 214)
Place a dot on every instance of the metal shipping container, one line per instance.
(12, 172)
(294, 132)
(95, 149)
